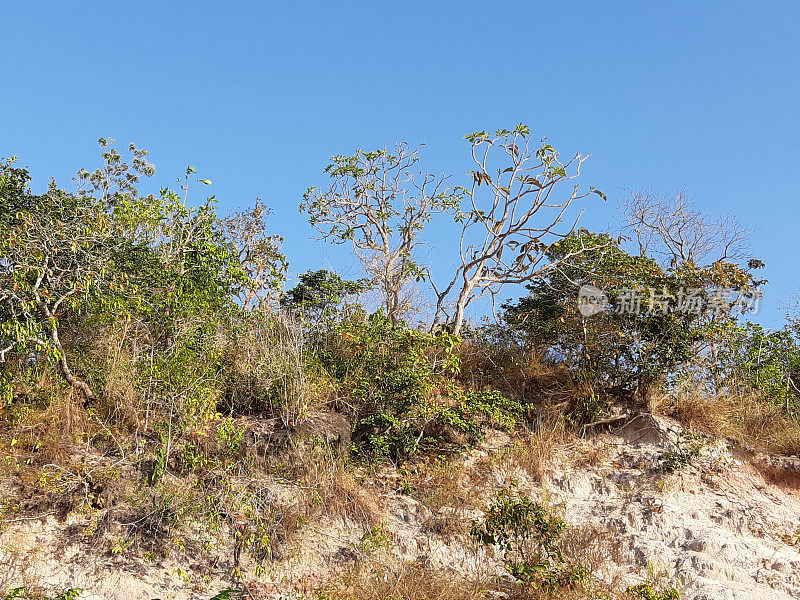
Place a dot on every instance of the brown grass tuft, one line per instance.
(745, 418)
(534, 451)
(408, 581)
(330, 488)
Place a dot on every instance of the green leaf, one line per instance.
(225, 595)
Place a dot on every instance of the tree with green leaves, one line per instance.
(513, 212)
(184, 262)
(379, 202)
(319, 294)
(57, 251)
(259, 253)
(103, 250)
(640, 334)
(14, 193)
(752, 358)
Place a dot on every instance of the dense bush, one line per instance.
(398, 385)
(751, 358)
(633, 343)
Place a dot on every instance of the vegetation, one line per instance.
(530, 537)
(159, 378)
(398, 383)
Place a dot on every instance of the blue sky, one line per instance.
(257, 95)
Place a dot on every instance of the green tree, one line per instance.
(106, 252)
(513, 213)
(258, 252)
(56, 256)
(640, 333)
(750, 357)
(379, 203)
(14, 193)
(319, 294)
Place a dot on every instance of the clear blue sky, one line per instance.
(257, 95)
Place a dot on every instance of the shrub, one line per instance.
(689, 449)
(644, 341)
(751, 358)
(529, 535)
(647, 592)
(399, 385)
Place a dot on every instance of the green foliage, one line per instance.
(647, 592)
(167, 271)
(319, 296)
(587, 409)
(258, 253)
(225, 595)
(511, 520)
(177, 260)
(750, 357)
(378, 203)
(22, 593)
(15, 197)
(54, 263)
(631, 348)
(54, 259)
(399, 384)
(688, 451)
(529, 535)
(374, 539)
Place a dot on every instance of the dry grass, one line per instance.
(746, 418)
(46, 432)
(264, 362)
(17, 566)
(410, 581)
(521, 374)
(404, 582)
(329, 487)
(593, 551)
(533, 453)
(439, 483)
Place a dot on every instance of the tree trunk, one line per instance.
(63, 366)
(458, 317)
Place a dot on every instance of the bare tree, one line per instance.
(379, 203)
(512, 215)
(674, 231)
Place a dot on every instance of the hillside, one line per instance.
(177, 421)
(725, 523)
